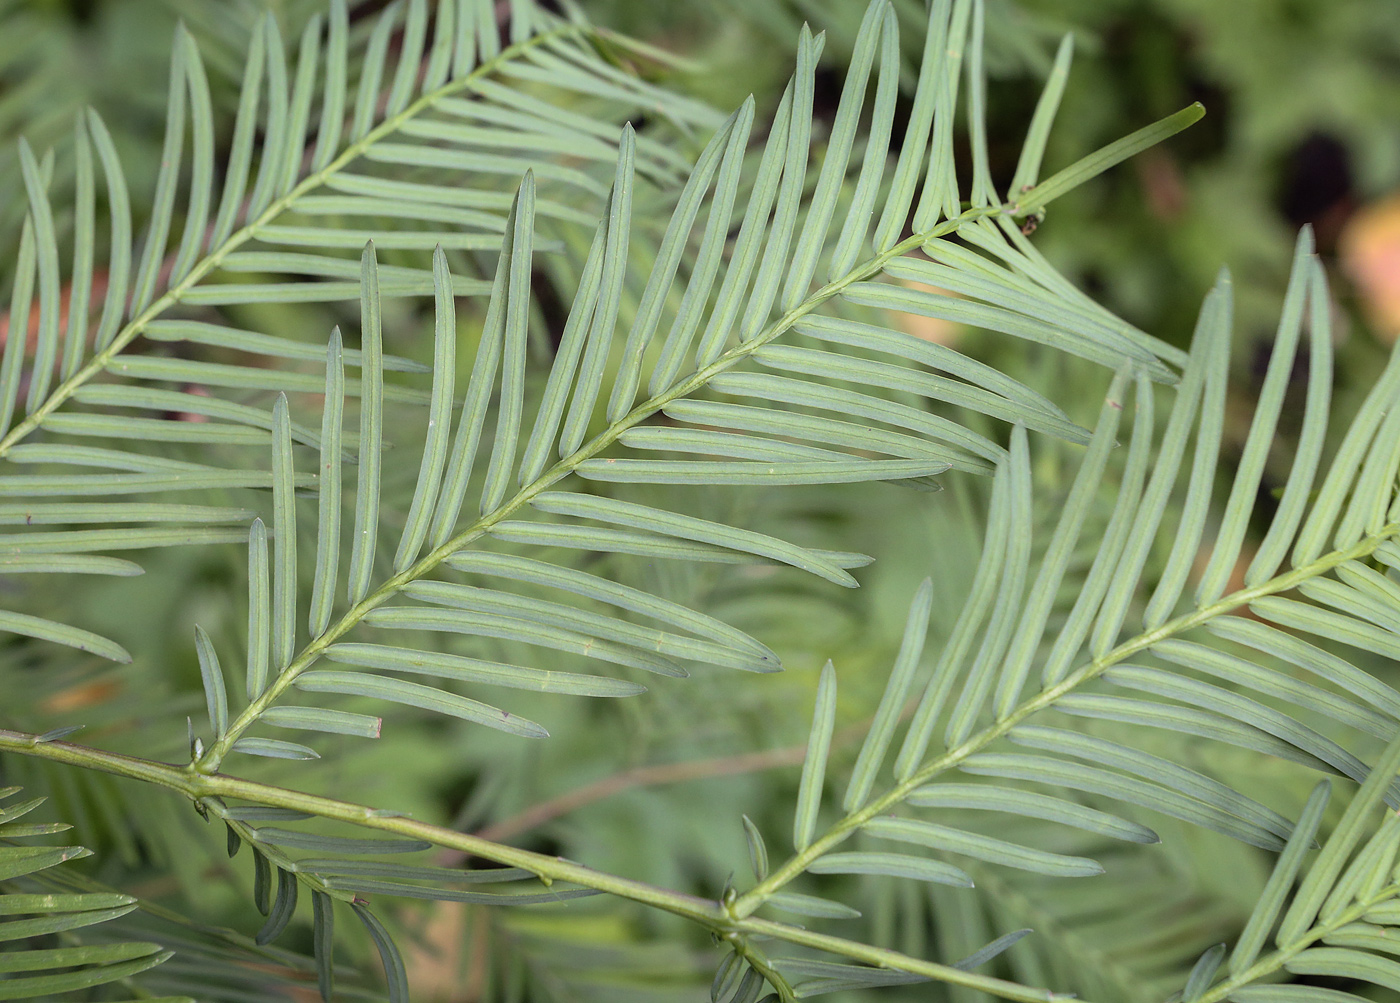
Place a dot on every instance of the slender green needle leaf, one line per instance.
(53, 485)
(328, 139)
(744, 256)
(73, 637)
(121, 538)
(1374, 491)
(260, 813)
(202, 164)
(163, 203)
(153, 429)
(710, 254)
(982, 674)
(1028, 166)
(1048, 770)
(940, 193)
(822, 205)
(614, 274)
(1114, 153)
(96, 456)
(877, 739)
(21, 300)
(761, 473)
(415, 695)
(1103, 752)
(338, 722)
(1230, 704)
(1245, 489)
(284, 544)
(1292, 994)
(46, 985)
(771, 389)
(371, 74)
(668, 258)
(20, 861)
(527, 631)
(119, 262)
(410, 58)
(959, 643)
(1115, 540)
(260, 613)
(365, 536)
(272, 748)
(862, 209)
(323, 913)
(323, 586)
(79, 564)
(515, 346)
(277, 145)
(107, 395)
(897, 865)
(440, 57)
(240, 156)
(283, 908)
(474, 409)
(830, 365)
(426, 488)
(982, 847)
(796, 425)
(1346, 964)
(652, 520)
(607, 628)
(767, 281)
(810, 905)
(1338, 484)
(369, 886)
(337, 844)
(857, 335)
(581, 583)
(600, 540)
(475, 670)
(394, 973)
(84, 248)
(758, 851)
(1338, 627)
(64, 957)
(1278, 685)
(338, 866)
(262, 882)
(1284, 527)
(1328, 666)
(41, 218)
(566, 360)
(1075, 509)
(215, 693)
(215, 374)
(1203, 973)
(809, 791)
(1212, 341)
(914, 146)
(488, 32)
(982, 193)
(299, 111)
(1029, 804)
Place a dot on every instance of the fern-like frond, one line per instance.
(765, 339)
(981, 692)
(30, 916)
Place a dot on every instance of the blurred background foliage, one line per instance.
(1303, 127)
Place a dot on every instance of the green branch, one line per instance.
(99, 362)
(797, 865)
(214, 756)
